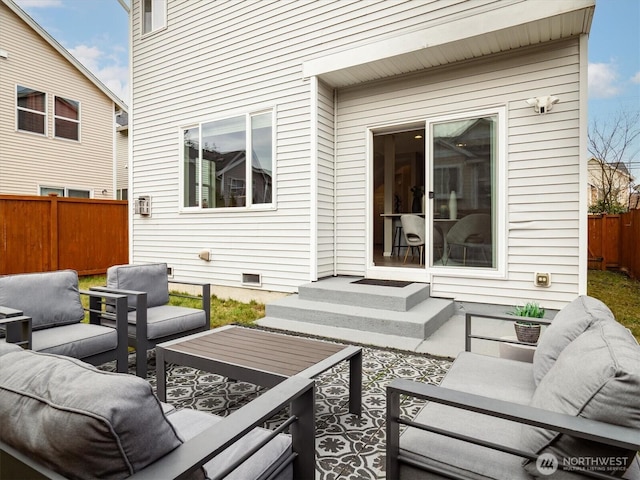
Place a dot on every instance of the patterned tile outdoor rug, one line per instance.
(347, 447)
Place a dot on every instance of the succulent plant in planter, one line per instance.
(526, 330)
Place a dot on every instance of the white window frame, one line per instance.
(249, 205)
(73, 120)
(65, 190)
(158, 16)
(23, 109)
(500, 200)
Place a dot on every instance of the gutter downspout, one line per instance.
(313, 178)
(335, 182)
(583, 234)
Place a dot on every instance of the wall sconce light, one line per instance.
(104, 191)
(543, 104)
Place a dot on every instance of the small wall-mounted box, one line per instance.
(205, 255)
(142, 205)
(542, 279)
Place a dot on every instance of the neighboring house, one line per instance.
(57, 120)
(608, 179)
(347, 108)
(122, 156)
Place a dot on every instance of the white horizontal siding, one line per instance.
(542, 164)
(325, 200)
(217, 59)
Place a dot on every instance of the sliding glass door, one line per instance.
(463, 156)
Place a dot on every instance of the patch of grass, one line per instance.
(223, 312)
(620, 293)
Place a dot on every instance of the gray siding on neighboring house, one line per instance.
(543, 180)
(122, 159)
(29, 160)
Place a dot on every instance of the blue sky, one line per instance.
(95, 32)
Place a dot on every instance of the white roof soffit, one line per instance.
(499, 27)
(65, 53)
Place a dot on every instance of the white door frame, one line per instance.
(384, 272)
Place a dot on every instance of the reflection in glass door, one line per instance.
(398, 189)
(464, 155)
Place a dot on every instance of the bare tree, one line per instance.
(611, 144)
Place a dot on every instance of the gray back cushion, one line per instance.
(151, 278)
(80, 421)
(49, 298)
(597, 376)
(574, 319)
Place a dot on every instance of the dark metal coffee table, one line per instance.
(259, 357)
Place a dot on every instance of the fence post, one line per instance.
(53, 198)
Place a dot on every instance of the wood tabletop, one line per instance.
(259, 350)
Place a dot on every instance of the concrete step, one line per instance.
(342, 291)
(419, 322)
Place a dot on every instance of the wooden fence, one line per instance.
(614, 242)
(40, 234)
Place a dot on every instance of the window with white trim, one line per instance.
(215, 169)
(67, 119)
(31, 110)
(66, 192)
(154, 15)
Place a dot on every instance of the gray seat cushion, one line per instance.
(503, 379)
(80, 421)
(79, 340)
(49, 298)
(166, 320)
(150, 278)
(575, 318)
(169, 320)
(597, 376)
(189, 423)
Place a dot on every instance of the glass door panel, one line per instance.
(398, 188)
(463, 154)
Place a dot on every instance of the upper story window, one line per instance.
(67, 118)
(32, 110)
(154, 15)
(215, 170)
(66, 192)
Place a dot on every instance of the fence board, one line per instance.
(51, 233)
(630, 242)
(614, 242)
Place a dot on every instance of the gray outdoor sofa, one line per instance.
(572, 413)
(63, 418)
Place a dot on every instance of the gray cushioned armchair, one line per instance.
(44, 312)
(151, 319)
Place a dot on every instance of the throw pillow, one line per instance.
(574, 319)
(80, 421)
(597, 376)
(151, 278)
(49, 298)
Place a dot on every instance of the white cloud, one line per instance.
(88, 56)
(105, 67)
(636, 78)
(603, 80)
